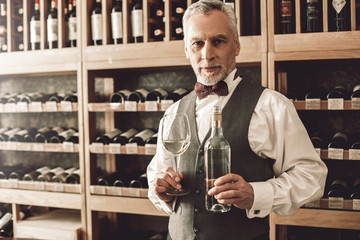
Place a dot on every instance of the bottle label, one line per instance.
(52, 30)
(285, 9)
(338, 5)
(34, 31)
(72, 28)
(137, 23)
(116, 25)
(96, 27)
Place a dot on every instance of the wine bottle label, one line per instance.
(52, 29)
(72, 28)
(285, 9)
(338, 5)
(96, 27)
(137, 23)
(116, 25)
(35, 31)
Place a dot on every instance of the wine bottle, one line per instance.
(34, 174)
(5, 171)
(6, 135)
(2, 10)
(338, 188)
(72, 24)
(108, 137)
(66, 18)
(96, 24)
(61, 137)
(73, 178)
(286, 16)
(35, 27)
(217, 160)
(26, 135)
(19, 10)
(138, 95)
(157, 12)
(156, 95)
(6, 225)
(141, 137)
(109, 179)
(338, 92)
(152, 139)
(120, 96)
(340, 18)
(316, 93)
(124, 137)
(312, 16)
(44, 134)
(19, 173)
(356, 92)
(355, 189)
(177, 31)
(158, 32)
(177, 94)
(178, 10)
(140, 182)
(61, 177)
(52, 26)
(117, 22)
(339, 140)
(73, 138)
(56, 98)
(71, 97)
(33, 97)
(137, 22)
(47, 176)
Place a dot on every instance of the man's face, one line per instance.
(211, 47)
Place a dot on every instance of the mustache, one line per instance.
(209, 65)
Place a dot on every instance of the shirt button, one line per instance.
(197, 210)
(196, 230)
(199, 171)
(197, 191)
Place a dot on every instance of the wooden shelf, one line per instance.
(115, 107)
(43, 107)
(129, 205)
(129, 149)
(325, 203)
(40, 147)
(40, 186)
(41, 198)
(301, 105)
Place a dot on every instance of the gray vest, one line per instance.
(190, 218)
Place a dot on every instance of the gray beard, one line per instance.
(210, 80)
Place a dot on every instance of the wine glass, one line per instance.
(175, 136)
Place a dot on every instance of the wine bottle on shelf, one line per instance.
(178, 10)
(6, 135)
(286, 17)
(355, 189)
(338, 92)
(356, 92)
(52, 26)
(340, 19)
(33, 97)
(312, 16)
(152, 139)
(157, 12)
(140, 182)
(177, 94)
(6, 225)
(137, 25)
(120, 96)
(5, 171)
(338, 188)
(138, 95)
(19, 173)
(156, 95)
(109, 179)
(217, 160)
(3, 130)
(56, 98)
(61, 137)
(73, 178)
(44, 134)
(316, 93)
(96, 24)
(47, 176)
(73, 138)
(177, 31)
(34, 174)
(108, 137)
(66, 19)
(141, 137)
(35, 27)
(117, 22)
(2, 10)
(19, 9)
(26, 135)
(4, 208)
(71, 97)
(124, 137)
(339, 140)
(15, 98)
(158, 32)
(61, 177)
(72, 24)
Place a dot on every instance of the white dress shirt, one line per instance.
(275, 132)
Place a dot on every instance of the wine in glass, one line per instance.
(175, 136)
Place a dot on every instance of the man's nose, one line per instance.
(207, 52)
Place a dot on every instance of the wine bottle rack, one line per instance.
(123, 107)
(38, 107)
(131, 149)
(40, 186)
(119, 191)
(324, 105)
(40, 147)
(336, 203)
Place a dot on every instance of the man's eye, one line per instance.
(197, 43)
(218, 41)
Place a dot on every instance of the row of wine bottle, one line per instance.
(142, 95)
(339, 15)
(340, 140)
(136, 179)
(132, 135)
(320, 92)
(340, 188)
(42, 174)
(41, 135)
(30, 97)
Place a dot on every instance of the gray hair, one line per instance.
(205, 7)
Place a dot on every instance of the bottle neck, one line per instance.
(216, 124)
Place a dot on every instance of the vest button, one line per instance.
(199, 171)
(201, 151)
(197, 191)
(196, 230)
(197, 210)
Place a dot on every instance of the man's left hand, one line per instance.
(233, 189)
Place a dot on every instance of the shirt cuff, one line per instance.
(263, 200)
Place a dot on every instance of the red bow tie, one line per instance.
(220, 89)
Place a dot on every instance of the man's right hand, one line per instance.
(164, 181)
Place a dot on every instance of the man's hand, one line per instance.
(233, 189)
(164, 181)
